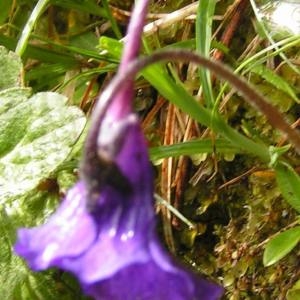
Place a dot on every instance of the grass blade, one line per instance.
(37, 11)
(203, 42)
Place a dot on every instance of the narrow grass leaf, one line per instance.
(37, 11)
(203, 43)
(193, 147)
(42, 54)
(275, 80)
(112, 20)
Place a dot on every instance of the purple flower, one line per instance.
(104, 230)
(115, 252)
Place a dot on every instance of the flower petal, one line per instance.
(92, 249)
(149, 281)
(68, 232)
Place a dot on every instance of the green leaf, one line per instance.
(204, 21)
(281, 245)
(112, 20)
(276, 153)
(10, 69)
(29, 25)
(12, 97)
(37, 136)
(193, 147)
(275, 80)
(289, 183)
(42, 54)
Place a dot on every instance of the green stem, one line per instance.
(112, 20)
(23, 41)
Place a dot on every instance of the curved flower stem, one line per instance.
(113, 110)
(122, 102)
(275, 118)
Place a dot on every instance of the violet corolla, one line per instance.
(104, 230)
